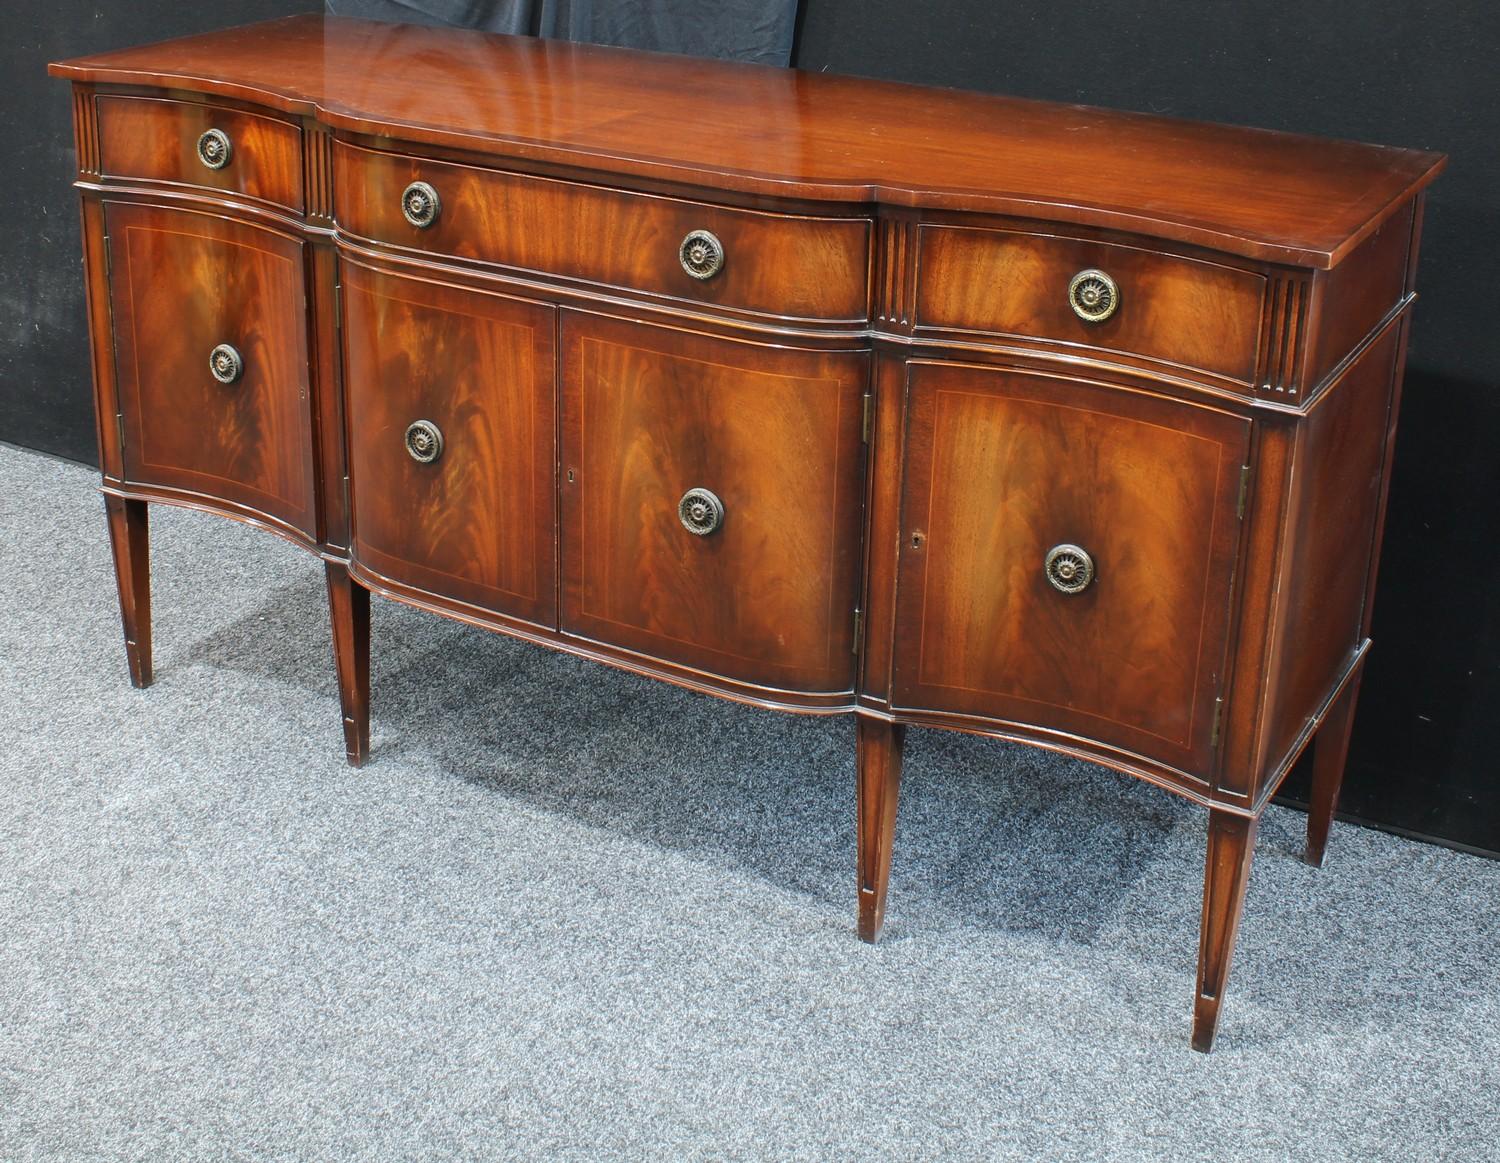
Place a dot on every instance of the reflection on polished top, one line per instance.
(762, 130)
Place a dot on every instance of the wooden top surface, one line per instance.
(809, 136)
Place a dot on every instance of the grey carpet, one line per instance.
(570, 913)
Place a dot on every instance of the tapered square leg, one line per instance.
(129, 539)
(878, 746)
(1231, 846)
(1330, 754)
(349, 606)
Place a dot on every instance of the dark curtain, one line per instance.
(742, 30)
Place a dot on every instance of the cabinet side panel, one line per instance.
(1358, 293)
(1341, 462)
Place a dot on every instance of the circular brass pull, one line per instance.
(702, 254)
(225, 364)
(1093, 296)
(214, 148)
(424, 441)
(700, 512)
(420, 205)
(1069, 568)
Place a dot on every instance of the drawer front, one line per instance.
(1006, 467)
(772, 264)
(228, 424)
(652, 420)
(461, 505)
(157, 139)
(1165, 307)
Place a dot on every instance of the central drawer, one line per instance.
(780, 265)
(711, 496)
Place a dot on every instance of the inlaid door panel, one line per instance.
(450, 434)
(211, 359)
(451, 419)
(712, 493)
(1120, 634)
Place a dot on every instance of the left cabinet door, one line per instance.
(210, 323)
(451, 429)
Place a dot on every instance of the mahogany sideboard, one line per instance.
(1036, 421)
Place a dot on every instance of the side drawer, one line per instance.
(212, 146)
(779, 265)
(1166, 307)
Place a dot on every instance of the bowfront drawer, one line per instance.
(1116, 298)
(711, 496)
(772, 264)
(212, 146)
(1066, 557)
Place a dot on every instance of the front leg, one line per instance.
(1226, 874)
(129, 539)
(349, 607)
(878, 745)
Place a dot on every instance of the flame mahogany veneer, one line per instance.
(1042, 422)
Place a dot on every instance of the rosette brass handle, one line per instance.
(1069, 568)
(702, 254)
(420, 205)
(424, 441)
(225, 364)
(700, 512)
(1093, 296)
(214, 149)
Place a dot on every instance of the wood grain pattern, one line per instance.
(182, 283)
(778, 132)
(1181, 310)
(649, 413)
(1002, 466)
(477, 524)
(154, 139)
(775, 264)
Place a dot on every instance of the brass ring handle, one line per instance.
(1069, 568)
(226, 364)
(214, 149)
(420, 205)
(701, 254)
(700, 512)
(424, 441)
(1093, 295)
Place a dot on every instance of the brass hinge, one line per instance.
(109, 262)
(120, 430)
(859, 629)
(1213, 736)
(869, 416)
(346, 496)
(1239, 505)
(338, 306)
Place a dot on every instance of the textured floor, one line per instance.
(569, 913)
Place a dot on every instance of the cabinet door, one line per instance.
(1002, 468)
(765, 594)
(211, 359)
(450, 414)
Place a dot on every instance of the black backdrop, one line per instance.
(1405, 72)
